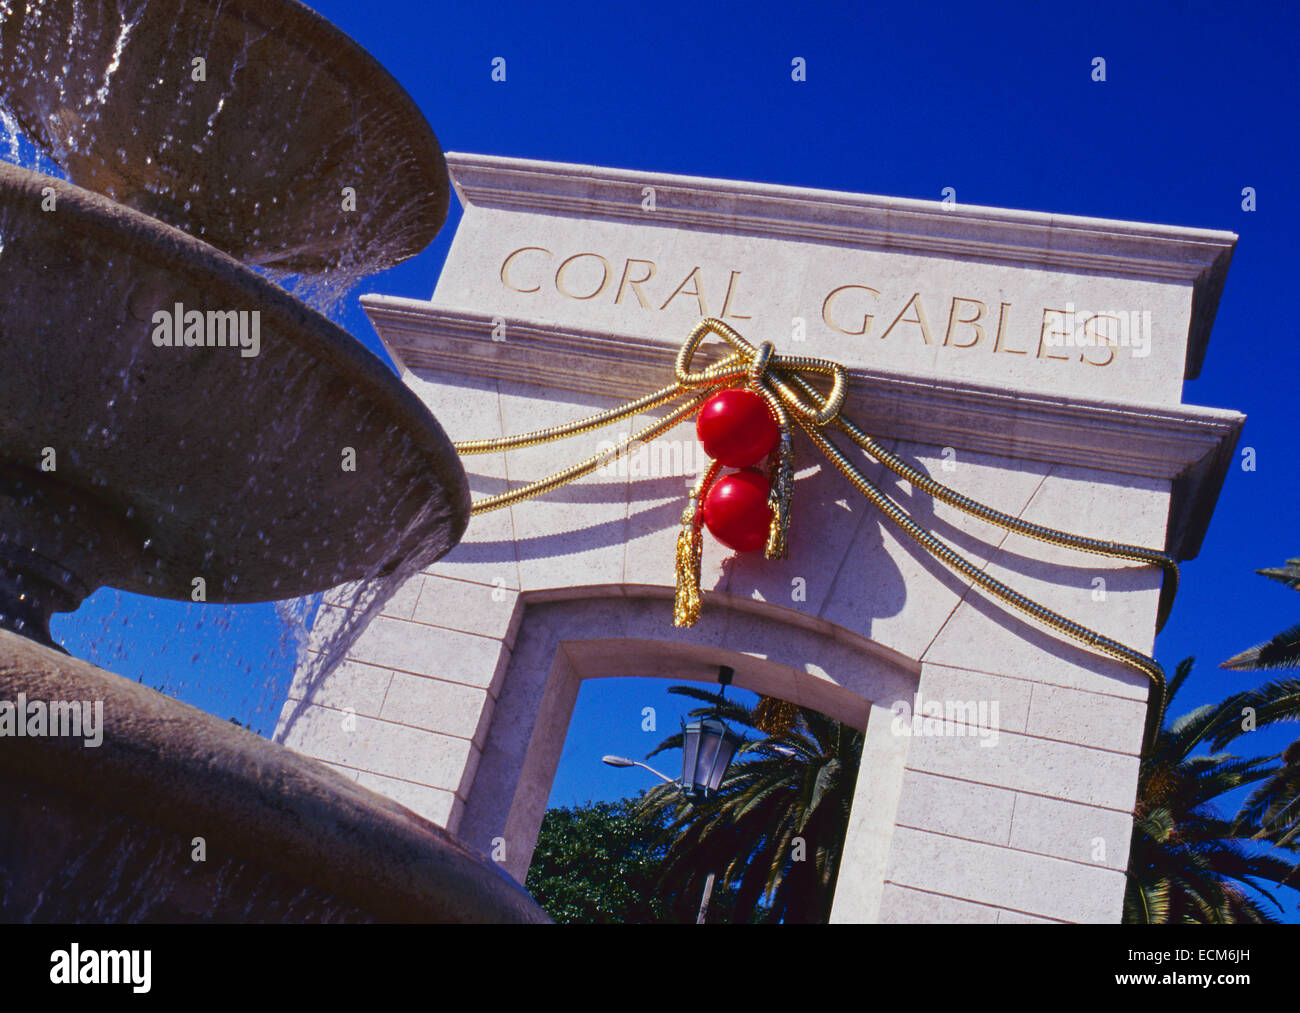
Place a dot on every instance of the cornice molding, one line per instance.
(1197, 257)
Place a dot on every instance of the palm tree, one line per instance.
(1187, 863)
(775, 830)
(1283, 650)
(1274, 806)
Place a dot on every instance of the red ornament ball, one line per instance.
(736, 510)
(736, 428)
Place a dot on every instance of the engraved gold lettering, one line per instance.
(830, 321)
(1044, 332)
(505, 268)
(604, 278)
(997, 340)
(635, 283)
(696, 291)
(1106, 340)
(920, 320)
(976, 327)
(726, 302)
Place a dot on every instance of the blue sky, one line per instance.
(904, 100)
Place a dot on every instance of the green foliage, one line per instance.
(774, 834)
(1273, 809)
(1288, 575)
(1281, 651)
(598, 863)
(1187, 863)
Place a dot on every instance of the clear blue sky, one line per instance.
(905, 99)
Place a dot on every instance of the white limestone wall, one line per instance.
(456, 700)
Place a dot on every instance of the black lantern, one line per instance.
(707, 748)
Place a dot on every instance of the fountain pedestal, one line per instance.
(177, 815)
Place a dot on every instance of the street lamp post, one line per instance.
(623, 761)
(708, 747)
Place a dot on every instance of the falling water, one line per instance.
(205, 463)
(221, 163)
(192, 648)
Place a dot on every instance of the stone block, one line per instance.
(901, 905)
(1080, 833)
(1039, 766)
(1004, 877)
(438, 706)
(946, 805)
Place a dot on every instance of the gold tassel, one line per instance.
(779, 497)
(690, 548)
(773, 716)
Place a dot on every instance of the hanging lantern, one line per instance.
(707, 748)
(736, 510)
(736, 428)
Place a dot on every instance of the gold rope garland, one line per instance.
(781, 381)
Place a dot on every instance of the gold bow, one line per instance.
(776, 378)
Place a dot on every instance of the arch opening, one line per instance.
(563, 643)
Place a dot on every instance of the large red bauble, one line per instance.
(736, 510)
(736, 428)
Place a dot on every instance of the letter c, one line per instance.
(505, 268)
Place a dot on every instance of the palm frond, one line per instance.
(1282, 651)
(1288, 574)
(1273, 702)
(795, 782)
(1181, 672)
(1188, 863)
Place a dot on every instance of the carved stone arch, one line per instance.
(561, 642)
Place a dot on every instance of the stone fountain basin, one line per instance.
(253, 159)
(208, 463)
(108, 833)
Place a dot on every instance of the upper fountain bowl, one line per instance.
(254, 125)
(170, 414)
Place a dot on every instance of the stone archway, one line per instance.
(561, 642)
(450, 699)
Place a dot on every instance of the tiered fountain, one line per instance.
(200, 137)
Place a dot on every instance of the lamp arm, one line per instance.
(661, 776)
